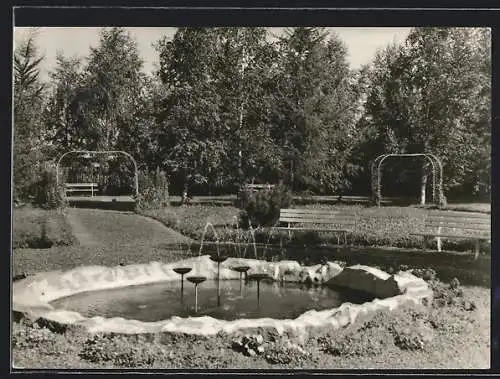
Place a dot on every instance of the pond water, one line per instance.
(161, 301)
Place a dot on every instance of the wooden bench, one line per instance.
(254, 188)
(454, 225)
(259, 187)
(80, 187)
(317, 220)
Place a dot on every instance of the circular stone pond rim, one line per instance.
(32, 295)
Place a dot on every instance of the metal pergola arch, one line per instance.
(437, 174)
(97, 152)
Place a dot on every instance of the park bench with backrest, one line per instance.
(254, 188)
(340, 223)
(258, 187)
(453, 225)
(80, 187)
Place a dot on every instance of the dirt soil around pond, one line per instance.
(452, 332)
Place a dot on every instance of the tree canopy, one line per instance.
(28, 106)
(432, 95)
(226, 106)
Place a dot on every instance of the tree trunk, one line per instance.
(185, 198)
(423, 183)
(240, 114)
(240, 127)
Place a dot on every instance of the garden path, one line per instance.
(106, 238)
(80, 231)
(94, 227)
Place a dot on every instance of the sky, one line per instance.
(362, 43)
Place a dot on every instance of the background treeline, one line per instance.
(232, 105)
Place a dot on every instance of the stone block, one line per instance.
(366, 279)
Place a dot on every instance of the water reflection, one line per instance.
(161, 301)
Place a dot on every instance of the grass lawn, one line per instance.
(34, 228)
(191, 220)
(104, 238)
(384, 226)
(470, 207)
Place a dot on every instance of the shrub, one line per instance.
(39, 229)
(428, 274)
(454, 284)
(33, 235)
(30, 337)
(356, 345)
(451, 295)
(450, 320)
(26, 240)
(412, 338)
(263, 207)
(413, 331)
(153, 190)
(165, 350)
(311, 237)
(285, 353)
(442, 202)
(120, 352)
(46, 192)
(249, 345)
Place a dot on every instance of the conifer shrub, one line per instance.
(153, 190)
(262, 208)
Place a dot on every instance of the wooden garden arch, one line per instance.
(90, 153)
(437, 174)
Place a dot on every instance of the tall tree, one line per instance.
(28, 107)
(432, 96)
(113, 87)
(59, 116)
(141, 137)
(100, 107)
(216, 118)
(316, 108)
(246, 72)
(192, 138)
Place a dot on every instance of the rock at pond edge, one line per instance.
(365, 279)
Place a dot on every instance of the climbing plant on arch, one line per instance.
(88, 154)
(437, 174)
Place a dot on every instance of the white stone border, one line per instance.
(34, 294)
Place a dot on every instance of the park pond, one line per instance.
(238, 299)
(144, 298)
